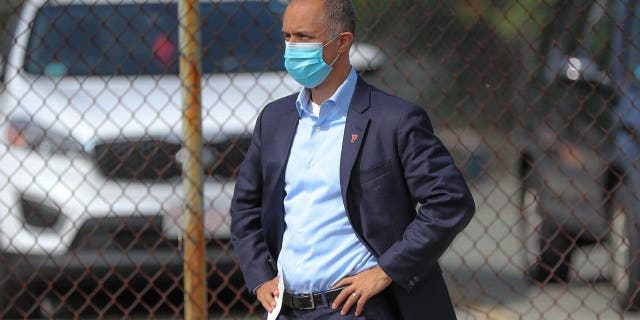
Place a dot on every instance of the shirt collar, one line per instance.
(341, 98)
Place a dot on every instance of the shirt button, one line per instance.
(298, 264)
(300, 230)
(318, 129)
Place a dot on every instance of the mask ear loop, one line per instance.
(339, 53)
(334, 38)
(336, 59)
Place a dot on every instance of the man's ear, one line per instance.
(345, 40)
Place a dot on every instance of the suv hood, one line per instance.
(94, 109)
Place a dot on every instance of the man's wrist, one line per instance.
(383, 276)
(255, 290)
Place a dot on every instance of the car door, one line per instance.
(571, 119)
(567, 122)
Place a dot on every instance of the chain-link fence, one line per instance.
(535, 99)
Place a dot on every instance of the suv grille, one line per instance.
(128, 233)
(121, 233)
(155, 160)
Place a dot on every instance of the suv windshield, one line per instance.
(131, 39)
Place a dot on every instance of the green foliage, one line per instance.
(460, 58)
(512, 20)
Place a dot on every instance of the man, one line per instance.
(344, 189)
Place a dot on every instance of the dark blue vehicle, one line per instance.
(626, 224)
(578, 163)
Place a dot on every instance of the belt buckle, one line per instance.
(313, 303)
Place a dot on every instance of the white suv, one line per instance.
(90, 138)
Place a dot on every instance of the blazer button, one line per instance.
(412, 283)
(417, 278)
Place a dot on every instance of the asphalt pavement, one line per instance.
(484, 267)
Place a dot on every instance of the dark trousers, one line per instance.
(377, 308)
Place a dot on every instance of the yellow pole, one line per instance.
(195, 279)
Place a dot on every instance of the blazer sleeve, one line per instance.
(246, 212)
(444, 201)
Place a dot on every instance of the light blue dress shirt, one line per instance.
(319, 246)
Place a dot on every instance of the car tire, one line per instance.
(530, 222)
(15, 303)
(7, 310)
(4, 295)
(540, 240)
(625, 268)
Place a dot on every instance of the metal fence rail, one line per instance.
(536, 100)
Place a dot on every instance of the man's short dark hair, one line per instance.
(339, 16)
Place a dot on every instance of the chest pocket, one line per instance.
(375, 171)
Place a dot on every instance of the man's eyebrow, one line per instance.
(296, 33)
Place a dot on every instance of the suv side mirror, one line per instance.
(366, 57)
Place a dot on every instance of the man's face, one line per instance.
(301, 23)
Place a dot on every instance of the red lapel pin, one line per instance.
(354, 137)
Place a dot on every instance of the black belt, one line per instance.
(309, 301)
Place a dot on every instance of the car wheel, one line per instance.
(529, 220)
(6, 291)
(530, 223)
(540, 241)
(14, 302)
(4, 295)
(625, 267)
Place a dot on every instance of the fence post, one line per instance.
(195, 280)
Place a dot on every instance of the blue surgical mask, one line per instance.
(305, 64)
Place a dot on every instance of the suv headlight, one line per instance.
(27, 134)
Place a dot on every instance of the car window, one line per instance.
(575, 109)
(593, 98)
(7, 40)
(564, 35)
(597, 33)
(143, 39)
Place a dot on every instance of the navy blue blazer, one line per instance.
(404, 196)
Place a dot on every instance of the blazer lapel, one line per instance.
(286, 128)
(354, 132)
(285, 133)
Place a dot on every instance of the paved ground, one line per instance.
(484, 268)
